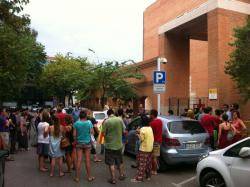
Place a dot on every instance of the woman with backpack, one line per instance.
(226, 132)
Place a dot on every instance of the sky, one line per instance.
(112, 28)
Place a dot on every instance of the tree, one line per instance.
(21, 56)
(64, 76)
(238, 67)
(110, 79)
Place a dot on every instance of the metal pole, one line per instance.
(159, 95)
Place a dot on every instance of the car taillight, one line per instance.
(207, 141)
(172, 142)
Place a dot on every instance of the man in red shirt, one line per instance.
(61, 116)
(208, 122)
(156, 125)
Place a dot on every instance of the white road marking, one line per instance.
(184, 182)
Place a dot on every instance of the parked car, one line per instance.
(100, 116)
(228, 167)
(184, 140)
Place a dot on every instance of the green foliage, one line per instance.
(64, 76)
(21, 56)
(110, 79)
(238, 67)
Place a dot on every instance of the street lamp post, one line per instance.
(160, 60)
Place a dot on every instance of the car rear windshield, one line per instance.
(185, 127)
(99, 116)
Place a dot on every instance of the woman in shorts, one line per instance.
(43, 140)
(82, 135)
(55, 151)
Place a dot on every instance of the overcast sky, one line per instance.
(112, 28)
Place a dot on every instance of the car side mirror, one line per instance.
(245, 152)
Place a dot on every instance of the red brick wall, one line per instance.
(198, 67)
(158, 14)
(220, 30)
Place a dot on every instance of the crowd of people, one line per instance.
(15, 126)
(68, 137)
(224, 127)
(63, 137)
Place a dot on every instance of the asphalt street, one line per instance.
(23, 172)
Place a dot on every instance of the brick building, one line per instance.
(193, 35)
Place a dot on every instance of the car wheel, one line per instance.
(162, 166)
(212, 179)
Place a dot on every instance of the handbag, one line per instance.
(64, 143)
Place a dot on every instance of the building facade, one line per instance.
(193, 35)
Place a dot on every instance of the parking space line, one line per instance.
(184, 182)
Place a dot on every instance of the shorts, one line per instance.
(113, 157)
(156, 150)
(83, 146)
(42, 149)
(5, 138)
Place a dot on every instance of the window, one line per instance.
(234, 151)
(185, 127)
(99, 116)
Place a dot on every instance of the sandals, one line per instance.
(62, 175)
(154, 173)
(112, 181)
(90, 179)
(44, 170)
(122, 178)
(76, 179)
(98, 160)
(135, 180)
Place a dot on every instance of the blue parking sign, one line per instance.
(159, 77)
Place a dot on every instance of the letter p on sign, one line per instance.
(159, 77)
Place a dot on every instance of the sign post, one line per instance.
(159, 87)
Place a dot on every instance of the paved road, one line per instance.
(23, 172)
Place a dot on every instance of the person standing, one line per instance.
(13, 131)
(124, 135)
(224, 128)
(94, 136)
(129, 111)
(200, 114)
(112, 130)
(55, 151)
(190, 114)
(144, 158)
(170, 112)
(43, 140)
(227, 111)
(156, 125)
(82, 135)
(4, 132)
(23, 133)
(239, 126)
(61, 116)
(208, 123)
(70, 151)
